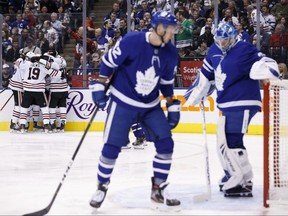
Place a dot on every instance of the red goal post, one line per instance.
(275, 106)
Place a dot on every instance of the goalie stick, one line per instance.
(47, 209)
(205, 196)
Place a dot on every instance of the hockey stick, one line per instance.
(3, 90)
(6, 102)
(47, 209)
(205, 196)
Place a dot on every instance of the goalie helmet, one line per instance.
(163, 17)
(225, 36)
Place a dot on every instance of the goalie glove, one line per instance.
(173, 116)
(98, 93)
(200, 89)
(265, 68)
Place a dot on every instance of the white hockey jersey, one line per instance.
(16, 82)
(34, 75)
(56, 84)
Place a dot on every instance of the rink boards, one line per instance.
(80, 108)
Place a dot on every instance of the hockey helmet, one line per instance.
(29, 55)
(48, 57)
(225, 36)
(164, 17)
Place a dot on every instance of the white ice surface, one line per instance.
(32, 166)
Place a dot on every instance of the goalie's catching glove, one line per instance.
(98, 93)
(173, 116)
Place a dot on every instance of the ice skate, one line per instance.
(139, 143)
(99, 196)
(62, 126)
(160, 198)
(47, 128)
(37, 127)
(53, 128)
(22, 128)
(14, 127)
(240, 191)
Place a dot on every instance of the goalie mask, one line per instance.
(225, 36)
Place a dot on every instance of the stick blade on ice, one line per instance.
(202, 197)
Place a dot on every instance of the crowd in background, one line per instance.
(42, 25)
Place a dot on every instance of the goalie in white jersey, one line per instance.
(34, 73)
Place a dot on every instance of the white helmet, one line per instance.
(29, 55)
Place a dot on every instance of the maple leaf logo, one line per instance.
(219, 78)
(146, 81)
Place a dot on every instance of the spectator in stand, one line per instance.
(79, 70)
(42, 42)
(58, 26)
(31, 47)
(242, 35)
(228, 14)
(78, 52)
(114, 20)
(269, 18)
(107, 30)
(12, 55)
(208, 37)
(144, 8)
(246, 25)
(283, 70)
(198, 23)
(201, 51)
(102, 42)
(140, 27)
(12, 12)
(8, 21)
(232, 7)
(6, 43)
(29, 17)
(49, 4)
(184, 37)
(51, 35)
(5, 76)
(147, 20)
(95, 61)
(44, 13)
(24, 35)
(278, 44)
(15, 35)
(123, 27)
(280, 9)
(33, 5)
(117, 35)
(20, 23)
(283, 21)
(209, 22)
(116, 9)
(90, 25)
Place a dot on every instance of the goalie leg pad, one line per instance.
(234, 161)
(239, 168)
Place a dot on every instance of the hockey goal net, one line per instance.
(275, 105)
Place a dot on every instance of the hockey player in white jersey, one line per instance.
(16, 85)
(235, 67)
(34, 72)
(58, 93)
(144, 64)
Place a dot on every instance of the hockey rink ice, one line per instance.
(32, 165)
